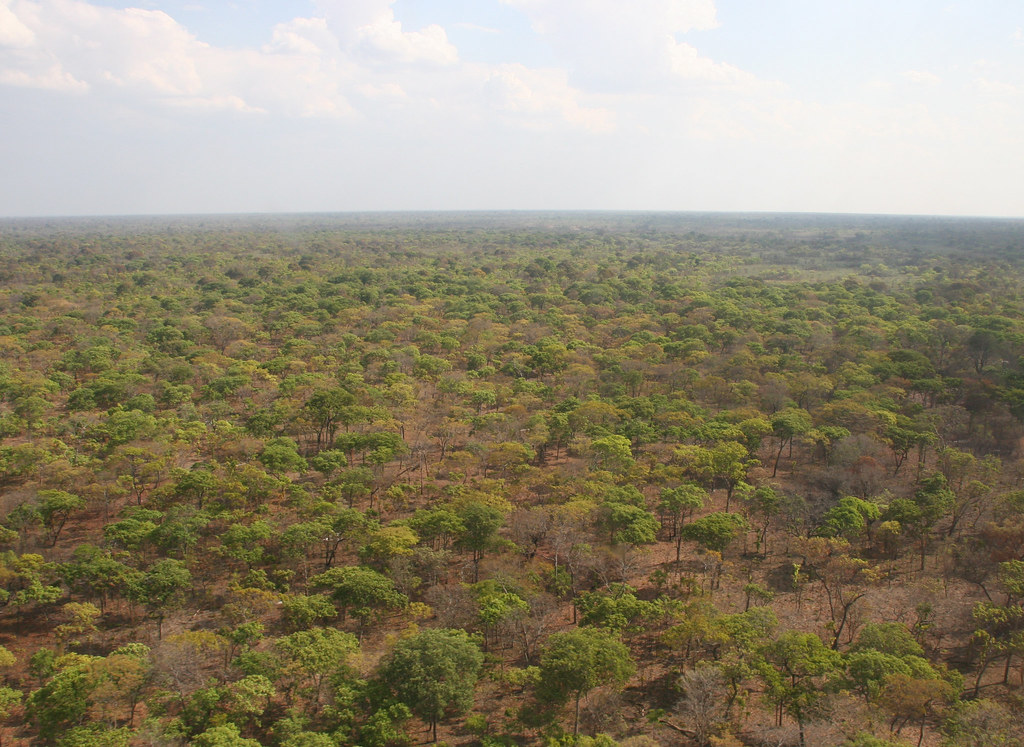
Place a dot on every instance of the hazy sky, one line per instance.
(168, 106)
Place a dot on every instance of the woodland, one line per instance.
(503, 479)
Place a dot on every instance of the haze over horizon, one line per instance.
(179, 107)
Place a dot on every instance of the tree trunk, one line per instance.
(778, 456)
(842, 623)
(981, 673)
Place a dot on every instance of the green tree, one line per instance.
(64, 700)
(849, 518)
(325, 410)
(679, 503)
(889, 638)
(194, 485)
(786, 426)
(311, 656)
(575, 662)
(764, 503)
(1000, 627)
(96, 574)
(388, 543)
(364, 592)
(508, 459)
(498, 608)
(715, 531)
(79, 623)
(355, 483)
(281, 455)
(931, 502)
(433, 673)
(301, 612)
(328, 462)
(904, 435)
(726, 462)
(55, 508)
(797, 671)
(481, 523)
(161, 589)
(982, 723)
(26, 580)
(627, 524)
(226, 735)
(437, 526)
(864, 739)
(244, 542)
(132, 531)
(9, 700)
(384, 727)
(615, 608)
(612, 453)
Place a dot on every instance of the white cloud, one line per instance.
(78, 46)
(51, 78)
(24, 60)
(301, 36)
(146, 54)
(997, 88)
(301, 71)
(687, 63)
(354, 56)
(617, 46)
(13, 33)
(385, 39)
(214, 103)
(648, 17)
(922, 77)
(387, 91)
(147, 49)
(368, 30)
(476, 27)
(352, 108)
(533, 94)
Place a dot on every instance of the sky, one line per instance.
(247, 106)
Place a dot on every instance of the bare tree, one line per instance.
(703, 705)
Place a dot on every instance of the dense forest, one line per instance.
(512, 479)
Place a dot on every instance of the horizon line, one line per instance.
(501, 211)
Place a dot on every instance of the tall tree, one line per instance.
(161, 589)
(364, 592)
(434, 673)
(797, 670)
(575, 662)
